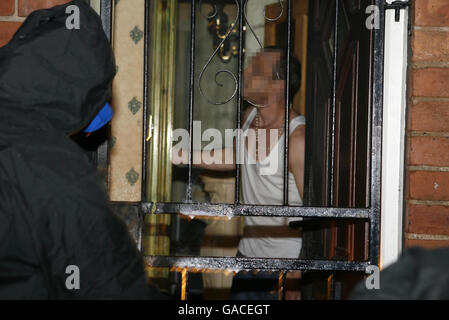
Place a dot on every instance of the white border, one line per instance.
(394, 111)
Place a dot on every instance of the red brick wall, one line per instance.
(28, 6)
(13, 12)
(427, 159)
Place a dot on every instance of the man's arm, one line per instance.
(296, 156)
(215, 160)
(296, 166)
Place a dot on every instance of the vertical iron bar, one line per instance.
(376, 137)
(239, 104)
(106, 17)
(146, 125)
(101, 155)
(191, 96)
(287, 101)
(334, 102)
(145, 100)
(332, 289)
(184, 283)
(281, 285)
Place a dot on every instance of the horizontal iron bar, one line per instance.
(229, 210)
(233, 264)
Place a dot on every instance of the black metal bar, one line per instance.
(145, 121)
(191, 97)
(334, 102)
(186, 284)
(106, 16)
(238, 264)
(287, 102)
(102, 152)
(284, 277)
(332, 286)
(230, 210)
(145, 110)
(239, 106)
(376, 136)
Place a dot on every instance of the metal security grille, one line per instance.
(371, 213)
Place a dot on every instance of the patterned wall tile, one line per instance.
(134, 105)
(132, 176)
(126, 128)
(136, 34)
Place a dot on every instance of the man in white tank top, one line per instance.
(264, 88)
(263, 182)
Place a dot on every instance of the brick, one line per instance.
(423, 219)
(7, 7)
(430, 116)
(8, 29)
(429, 185)
(430, 46)
(431, 82)
(431, 151)
(428, 244)
(28, 6)
(432, 13)
(407, 185)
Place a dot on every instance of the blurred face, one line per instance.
(258, 80)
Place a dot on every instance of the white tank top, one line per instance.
(264, 184)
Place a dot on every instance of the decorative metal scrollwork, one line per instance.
(279, 16)
(222, 45)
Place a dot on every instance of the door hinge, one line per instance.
(397, 6)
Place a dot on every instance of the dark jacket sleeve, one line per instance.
(82, 232)
(419, 274)
(73, 227)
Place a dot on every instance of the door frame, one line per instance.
(200, 209)
(394, 122)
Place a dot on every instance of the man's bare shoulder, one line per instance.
(297, 138)
(297, 147)
(299, 134)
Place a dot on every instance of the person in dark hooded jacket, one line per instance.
(419, 274)
(53, 211)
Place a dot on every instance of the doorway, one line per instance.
(341, 99)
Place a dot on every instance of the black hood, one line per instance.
(52, 78)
